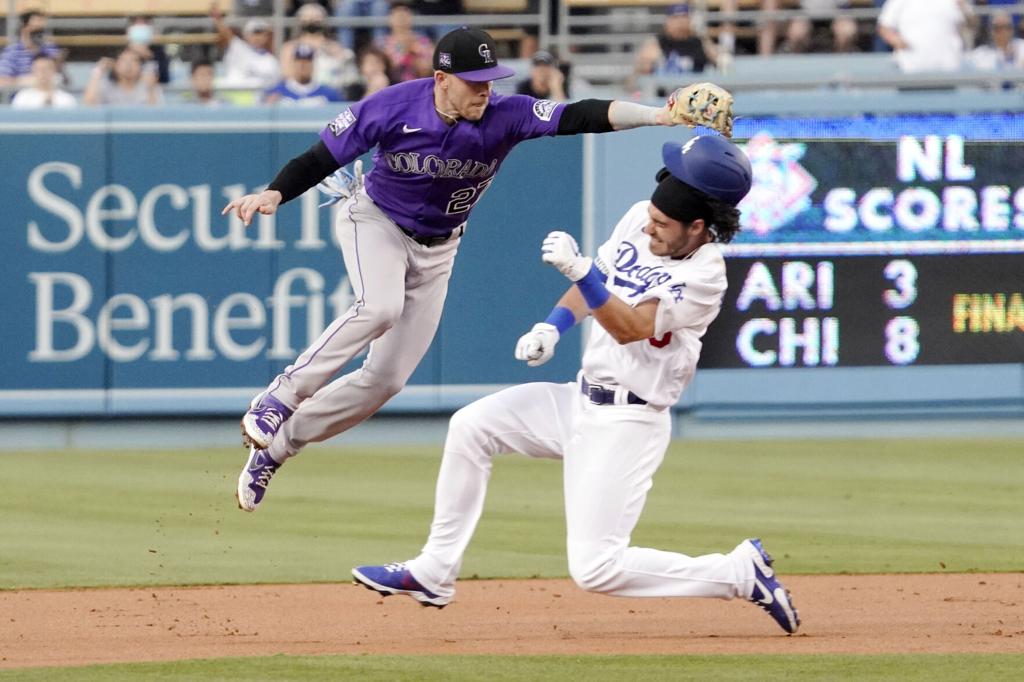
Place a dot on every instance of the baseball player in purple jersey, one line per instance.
(439, 142)
(653, 288)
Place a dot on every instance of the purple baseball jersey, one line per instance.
(427, 175)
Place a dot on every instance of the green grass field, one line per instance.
(169, 518)
(909, 668)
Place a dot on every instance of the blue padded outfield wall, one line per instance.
(880, 266)
(126, 291)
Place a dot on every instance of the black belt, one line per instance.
(433, 240)
(599, 395)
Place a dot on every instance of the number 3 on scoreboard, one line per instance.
(904, 277)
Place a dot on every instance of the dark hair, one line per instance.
(373, 50)
(43, 55)
(200, 63)
(725, 219)
(27, 15)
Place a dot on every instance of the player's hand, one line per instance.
(342, 184)
(266, 202)
(560, 250)
(537, 346)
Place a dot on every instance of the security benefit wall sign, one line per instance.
(903, 251)
(128, 273)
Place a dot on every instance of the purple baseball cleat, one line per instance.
(396, 579)
(261, 422)
(254, 479)
(768, 592)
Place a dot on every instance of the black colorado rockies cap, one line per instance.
(469, 54)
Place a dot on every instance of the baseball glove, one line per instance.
(702, 104)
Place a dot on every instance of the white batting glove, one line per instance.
(560, 249)
(537, 346)
(341, 184)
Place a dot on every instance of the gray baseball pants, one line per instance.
(400, 288)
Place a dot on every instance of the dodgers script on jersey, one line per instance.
(689, 291)
(427, 175)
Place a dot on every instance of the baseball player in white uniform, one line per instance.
(653, 289)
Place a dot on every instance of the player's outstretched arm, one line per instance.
(298, 175)
(704, 104)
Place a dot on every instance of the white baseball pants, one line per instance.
(400, 287)
(610, 454)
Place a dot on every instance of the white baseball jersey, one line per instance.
(690, 292)
(610, 452)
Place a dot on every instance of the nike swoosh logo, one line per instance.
(406, 129)
(766, 597)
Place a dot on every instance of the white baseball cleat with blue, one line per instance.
(254, 479)
(396, 579)
(768, 592)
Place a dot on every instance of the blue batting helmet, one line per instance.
(711, 164)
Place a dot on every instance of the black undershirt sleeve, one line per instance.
(585, 116)
(304, 171)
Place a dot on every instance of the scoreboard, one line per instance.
(828, 311)
(889, 243)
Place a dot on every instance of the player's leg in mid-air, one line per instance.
(531, 419)
(376, 263)
(609, 468)
(400, 288)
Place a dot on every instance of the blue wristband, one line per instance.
(562, 318)
(595, 293)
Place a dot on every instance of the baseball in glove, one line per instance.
(702, 104)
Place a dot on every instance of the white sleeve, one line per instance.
(608, 251)
(890, 14)
(690, 301)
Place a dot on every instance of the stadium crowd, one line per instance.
(322, 61)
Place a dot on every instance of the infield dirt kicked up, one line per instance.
(842, 614)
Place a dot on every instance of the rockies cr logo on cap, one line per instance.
(445, 60)
(485, 52)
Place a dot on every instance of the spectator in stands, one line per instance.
(374, 74)
(925, 34)
(123, 81)
(411, 53)
(1003, 50)
(431, 8)
(140, 34)
(845, 35)
(202, 83)
(819, 14)
(799, 37)
(43, 93)
(675, 50)
(302, 88)
(16, 59)
(248, 61)
(334, 65)
(361, 8)
(546, 81)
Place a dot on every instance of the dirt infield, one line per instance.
(841, 614)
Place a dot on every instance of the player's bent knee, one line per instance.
(466, 427)
(594, 572)
(384, 384)
(383, 315)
